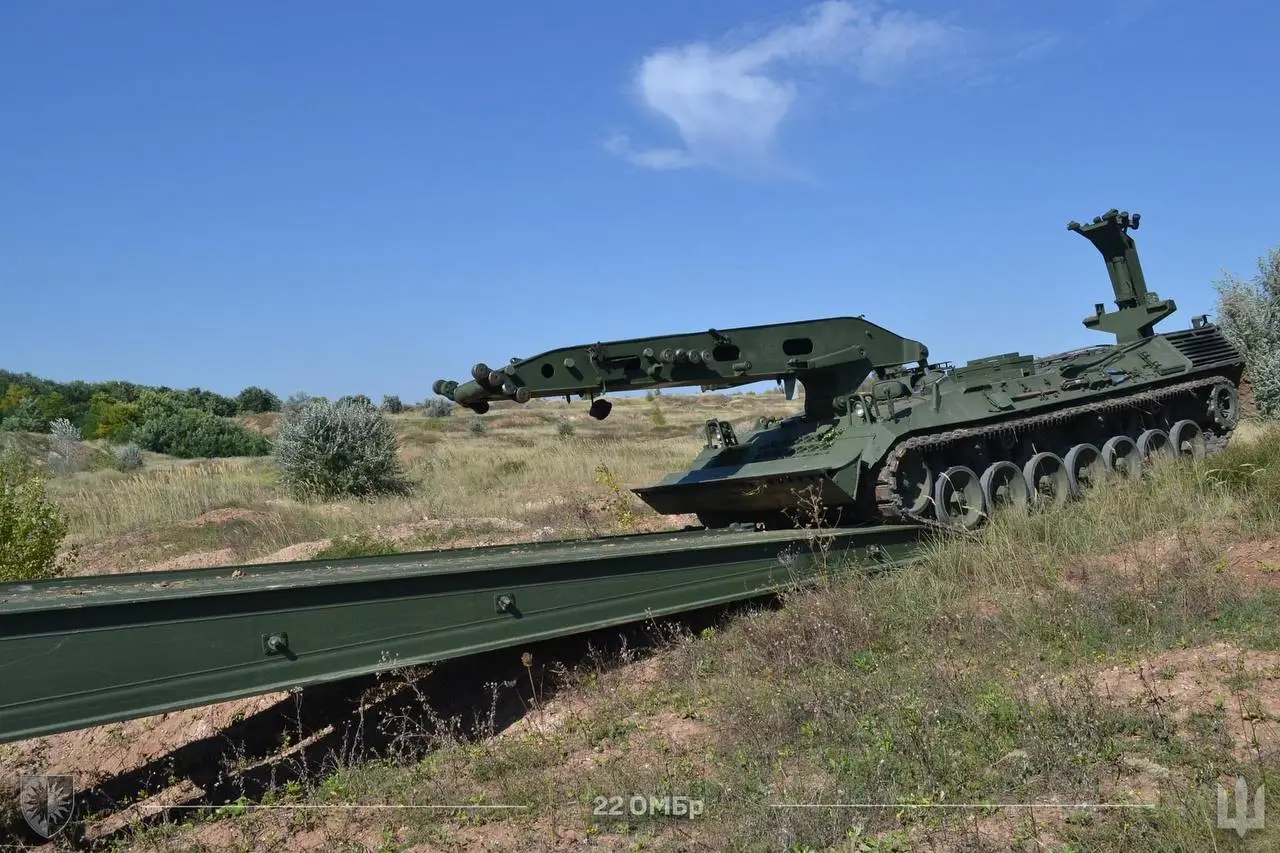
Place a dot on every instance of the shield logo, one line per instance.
(47, 803)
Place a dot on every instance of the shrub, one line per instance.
(62, 430)
(187, 433)
(31, 526)
(115, 421)
(208, 401)
(13, 395)
(391, 404)
(254, 401)
(477, 427)
(328, 450)
(564, 428)
(52, 405)
(66, 450)
(25, 417)
(128, 457)
(1249, 314)
(437, 407)
(357, 399)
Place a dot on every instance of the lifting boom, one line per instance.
(829, 357)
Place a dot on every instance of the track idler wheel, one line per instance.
(1120, 456)
(1004, 487)
(1154, 444)
(1224, 405)
(1047, 480)
(957, 498)
(1187, 439)
(1084, 468)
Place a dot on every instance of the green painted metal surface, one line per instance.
(887, 436)
(87, 651)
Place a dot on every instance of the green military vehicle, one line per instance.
(886, 436)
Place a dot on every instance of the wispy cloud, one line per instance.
(726, 102)
(660, 159)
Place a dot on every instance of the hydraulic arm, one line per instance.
(1139, 309)
(829, 357)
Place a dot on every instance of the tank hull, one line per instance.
(881, 461)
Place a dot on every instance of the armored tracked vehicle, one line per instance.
(888, 436)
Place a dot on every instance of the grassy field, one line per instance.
(514, 473)
(1122, 651)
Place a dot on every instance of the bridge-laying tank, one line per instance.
(888, 436)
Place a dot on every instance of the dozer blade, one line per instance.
(705, 492)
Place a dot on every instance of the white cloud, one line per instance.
(727, 102)
(660, 159)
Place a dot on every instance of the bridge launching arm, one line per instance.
(829, 357)
(1139, 308)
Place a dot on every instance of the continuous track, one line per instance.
(891, 505)
(81, 652)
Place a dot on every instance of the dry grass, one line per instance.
(525, 467)
(102, 504)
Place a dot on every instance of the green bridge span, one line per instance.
(80, 652)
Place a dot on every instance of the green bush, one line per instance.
(348, 448)
(168, 427)
(357, 399)
(31, 526)
(13, 395)
(52, 405)
(392, 405)
(254, 401)
(1249, 314)
(99, 409)
(207, 401)
(25, 417)
(111, 419)
(193, 434)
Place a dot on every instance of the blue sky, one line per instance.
(342, 197)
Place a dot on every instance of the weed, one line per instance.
(618, 504)
(357, 545)
(32, 526)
